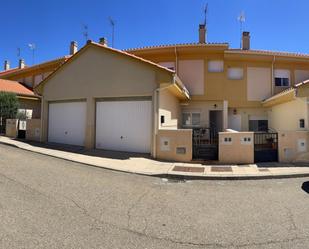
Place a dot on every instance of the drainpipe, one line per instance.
(273, 76)
(176, 60)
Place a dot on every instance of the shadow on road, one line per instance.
(305, 187)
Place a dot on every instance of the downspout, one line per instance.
(176, 61)
(273, 76)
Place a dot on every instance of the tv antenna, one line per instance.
(241, 19)
(18, 52)
(112, 23)
(85, 32)
(205, 14)
(32, 47)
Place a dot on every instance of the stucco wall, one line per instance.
(286, 116)
(33, 129)
(235, 147)
(293, 146)
(99, 73)
(170, 109)
(174, 145)
(11, 128)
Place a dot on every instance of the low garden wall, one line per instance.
(174, 145)
(293, 146)
(33, 129)
(11, 128)
(236, 147)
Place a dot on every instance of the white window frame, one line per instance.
(233, 76)
(282, 74)
(191, 114)
(215, 66)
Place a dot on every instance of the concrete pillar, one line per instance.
(44, 118)
(90, 124)
(225, 115)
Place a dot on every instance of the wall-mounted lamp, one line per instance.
(215, 105)
(234, 111)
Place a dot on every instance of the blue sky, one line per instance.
(52, 24)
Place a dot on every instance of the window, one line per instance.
(234, 73)
(191, 119)
(282, 78)
(162, 119)
(215, 66)
(282, 82)
(258, 125)
(301, 123)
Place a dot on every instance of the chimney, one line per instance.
(21, 63)
(6, 65)
(103, 41)
(73, 47)
(246, 40)
(202, 33)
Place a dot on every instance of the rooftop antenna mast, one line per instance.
(205, 14)
(32, 47)
(18, 52)
(241, 18)
(85, 32)
(112, 23)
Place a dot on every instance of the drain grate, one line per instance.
(221, 169)
(189, 169)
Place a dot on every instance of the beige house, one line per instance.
(108, 99)
(183, 102)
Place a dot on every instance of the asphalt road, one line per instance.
(51, 203)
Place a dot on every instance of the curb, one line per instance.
(175, 176)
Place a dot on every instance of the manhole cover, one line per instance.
(189, 169)
(221, 169)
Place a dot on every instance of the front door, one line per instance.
(216, 120)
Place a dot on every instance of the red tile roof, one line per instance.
(193, 44)
(14, 87)
(40, 65)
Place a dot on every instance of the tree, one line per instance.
(8, 108)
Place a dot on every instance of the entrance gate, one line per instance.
(205, 143)
(265, 147)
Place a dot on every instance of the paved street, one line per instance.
(52, 203)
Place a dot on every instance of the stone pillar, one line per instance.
(44, 121)
(90, 124)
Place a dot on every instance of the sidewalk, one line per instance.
(140, 164)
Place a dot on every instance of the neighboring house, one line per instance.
(29, 103)
(31, 76)
(108, 99)
(228, 87)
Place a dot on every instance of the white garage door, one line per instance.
(124, 126)
(67, 123)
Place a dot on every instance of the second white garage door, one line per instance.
(124, 126)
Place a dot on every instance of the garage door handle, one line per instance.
(121, 137)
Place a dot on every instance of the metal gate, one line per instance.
(205, 144)
(265, 147)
